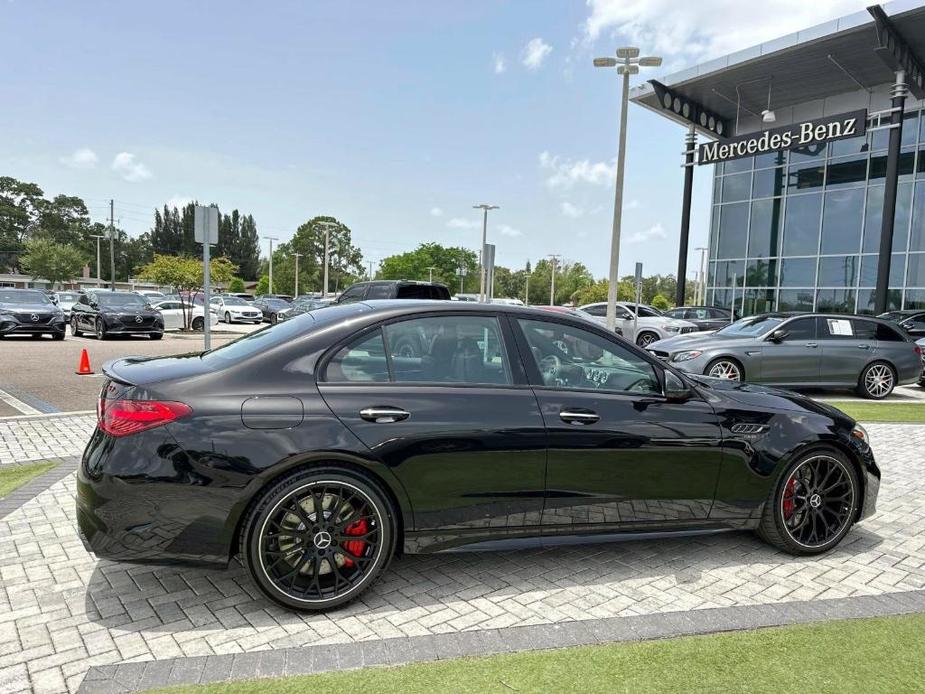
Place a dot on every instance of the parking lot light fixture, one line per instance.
(485, 207)
(271, 239)
(627, 63)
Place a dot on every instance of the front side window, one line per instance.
(448, 349)
(596, 310)
(801, 329)
(353, 294)
(569, 357)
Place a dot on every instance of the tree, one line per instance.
(446, 261)
(345, 259)
(660, 302)
(185, 275)
(236, 285)
(52, 261)
(20, 206)
(263, 285)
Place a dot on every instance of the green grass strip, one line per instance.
(14, 476)
(882, 411)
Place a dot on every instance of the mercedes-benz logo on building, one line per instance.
(34, 317)
(138, 319)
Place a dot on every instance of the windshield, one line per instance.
(751, 326)
(234, 301)
(277, 303)
(18, 296)
(118, 299)
(68, 297)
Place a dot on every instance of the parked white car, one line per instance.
(172, 311)
(152, 295)
(652, 324)
(233, 309)
(66, 300)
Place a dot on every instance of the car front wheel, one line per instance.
(75, 331)
(100, 329)
(228, 317)
(318, 538)
(724, 368)
(813, 505)
(877, 381)
(198, 323)
(645, 339)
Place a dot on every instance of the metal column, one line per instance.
(691, 142)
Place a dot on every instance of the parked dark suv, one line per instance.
(104, 313)
(30, 312)
(393, 289)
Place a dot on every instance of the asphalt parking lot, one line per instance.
(38, 375)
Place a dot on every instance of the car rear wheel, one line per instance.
(318, 538)
(877, 381)
(100, 329)
(198, 323)
(727, 369)
(813, 505)
(645, 339)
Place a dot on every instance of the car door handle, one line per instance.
(863, 346)
(579, 417)
(812, 344)
(384, 415)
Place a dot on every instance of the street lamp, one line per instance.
(296, 256)
(271, 239)
(627, 63)
(430, 269)
(98, 270)
(484, 207)
(327, 226)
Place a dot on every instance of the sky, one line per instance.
(394, 117)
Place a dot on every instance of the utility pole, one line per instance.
(527, 291)
(296, 291)
(431, 269)
(484, 207)
(370, 269)
(98, 270)
(703, 277)
(554, 260)
(271, 239)
(327, 245)
(112, 246)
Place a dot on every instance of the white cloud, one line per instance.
(535, 53)
(654, 232)
(436, 212)
(696, 31)
(631, 205)
(131, 170)
(509, 231)
(570, 210)
(83, 158)
(460, 223)
(178, 201)
(499, 63)
(564, 173)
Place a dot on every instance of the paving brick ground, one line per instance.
(62, 612)
(42, 438)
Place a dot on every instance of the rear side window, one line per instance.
(379, 291)
(422, 291)
(887, 333)
(363, 360)
(864, 329)
(838, 329)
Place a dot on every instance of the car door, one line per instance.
(168, 313)
(848, 345)
(457, 423)
(793, 359)
(620, 453)
(86, 317)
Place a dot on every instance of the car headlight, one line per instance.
(672, 328)
(687, 356)
(860, 433)
(7, 317)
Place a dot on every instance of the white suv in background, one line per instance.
(652, 325)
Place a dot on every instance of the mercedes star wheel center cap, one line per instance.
(815, 501)
(322, 539)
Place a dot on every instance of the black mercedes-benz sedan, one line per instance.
(317, 450)
(104, 313)
(30, 312)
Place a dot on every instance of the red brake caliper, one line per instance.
(788, 505)
(355, 547)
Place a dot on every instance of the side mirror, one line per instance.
(676, 390)
(93, 304)
(626, 316)
(778, 335)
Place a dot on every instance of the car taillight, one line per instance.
(124, 417)
(918, 350)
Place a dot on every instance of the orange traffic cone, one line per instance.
(83, 368)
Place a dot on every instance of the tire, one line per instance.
(58, 336)
(725, 365)
(775, 523)
(646, 338)
(198, 323)
(100, 329)
(228, 317)
(276, 508)
(75, 331)
(876, 381)
(274, 318)
(156, 336)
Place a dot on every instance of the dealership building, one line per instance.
(817, 143)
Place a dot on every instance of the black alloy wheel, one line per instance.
(75, 331)
(645, 339)
(318, 538)
(100, 329)
(814, 504)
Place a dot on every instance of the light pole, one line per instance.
(484, 207)
(370, 269)
(271, 239)
(327, 243)
(553, 261)
(703, 277)
(627, 63)
(430, 269)
(295, 293)
(98, 270)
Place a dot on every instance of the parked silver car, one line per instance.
(652, 325)
(802, 351)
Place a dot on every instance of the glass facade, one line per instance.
(800, 229)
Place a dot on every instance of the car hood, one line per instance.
(767, 397)
(28, 308)
(700, 340)
(128, 311)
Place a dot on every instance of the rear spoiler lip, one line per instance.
(111, 372)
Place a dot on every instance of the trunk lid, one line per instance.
(140, 371)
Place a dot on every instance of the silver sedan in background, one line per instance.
(801, 351)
